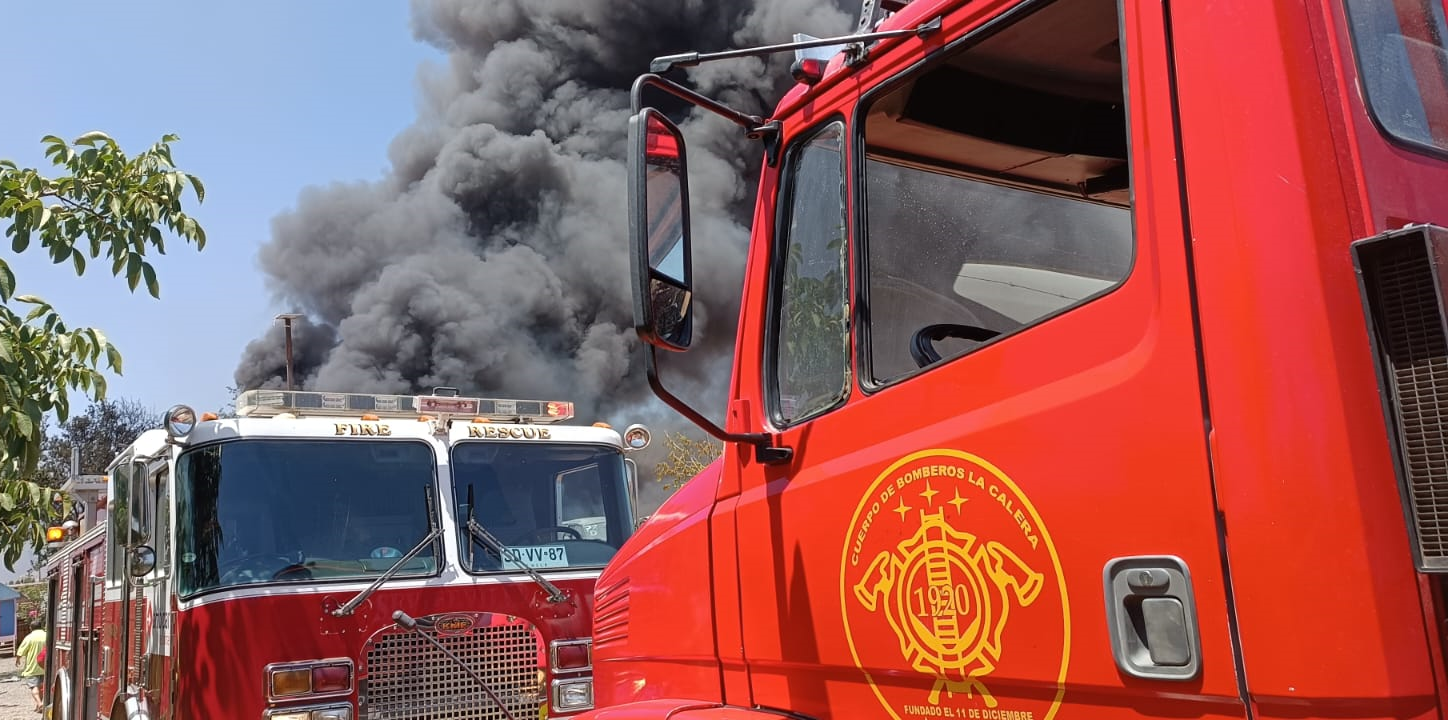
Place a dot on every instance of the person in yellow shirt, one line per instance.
(28, 657)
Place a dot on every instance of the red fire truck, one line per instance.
(329, 556)
(1091, 363)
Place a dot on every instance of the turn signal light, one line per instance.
(572, 654)
(288, 681)
(331, 678)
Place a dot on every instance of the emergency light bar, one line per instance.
(270, 403)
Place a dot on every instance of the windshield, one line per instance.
(556, 506)
(260, 511)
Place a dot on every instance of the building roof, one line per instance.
(7, 593)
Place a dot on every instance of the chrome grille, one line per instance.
(1400, 275)
(404, 677)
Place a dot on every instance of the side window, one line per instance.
(579, 497)
(143, 499)
(161, 529)
(118, 525)
(982, 221)
(1402, 56)
(810, 368)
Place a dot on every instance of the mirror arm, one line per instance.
(765, 451)
(756, 128)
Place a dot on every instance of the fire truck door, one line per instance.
(80, 643)
(128, 527)
(999, 504)
(90, 694)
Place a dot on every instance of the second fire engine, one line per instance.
(328, 556)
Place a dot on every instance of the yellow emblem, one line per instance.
(948, 568)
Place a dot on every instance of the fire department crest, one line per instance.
(949, 572)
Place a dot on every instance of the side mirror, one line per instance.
(635, 438)
(142, 561)
(179, 421)
(658, 199)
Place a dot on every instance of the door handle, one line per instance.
(1152, 617)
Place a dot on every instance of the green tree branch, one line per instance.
(102, 202)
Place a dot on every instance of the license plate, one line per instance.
(535, 556)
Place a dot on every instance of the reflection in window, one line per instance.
(812, 353)
(946, 249)
(1402, 54)
(259, 511)
(118, 521)
(558, 505)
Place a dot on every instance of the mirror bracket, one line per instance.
(765, 451)
(636, 97)
(769, 135)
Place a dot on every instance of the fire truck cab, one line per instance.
(1090, 363)
(329, 556)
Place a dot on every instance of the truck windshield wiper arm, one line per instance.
(481, 535)
(431, 537)
(357, 599)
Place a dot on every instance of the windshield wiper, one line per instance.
(359, 598)
(481, 535)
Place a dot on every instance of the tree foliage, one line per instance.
(101, 433)
(687, 457)
(229, 409)
(101, 203)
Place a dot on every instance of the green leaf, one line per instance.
(7, 281)
(196, 185)
(79, 260)
(152, 285)
(23, 423)
(91, 138)
(133, 271)
(7, 502)
(113, 357)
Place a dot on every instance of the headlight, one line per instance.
(572, 695)
(329, 712)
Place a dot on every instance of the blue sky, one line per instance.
(268, 96)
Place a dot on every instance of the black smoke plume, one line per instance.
(492, 256)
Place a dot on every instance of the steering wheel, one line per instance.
(252, 563)
(922, 343)
(554, 530)
(294, 571)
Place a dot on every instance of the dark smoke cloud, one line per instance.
(492, 256)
